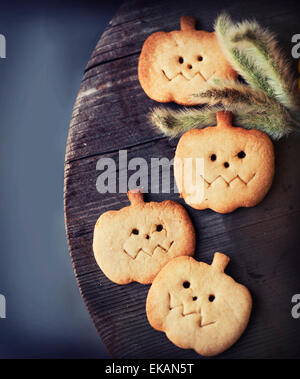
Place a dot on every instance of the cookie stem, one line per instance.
(135, 197)
(220, 261)
(224, 119)
(187, 23)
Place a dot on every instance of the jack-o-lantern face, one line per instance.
(238, 166)
(173, 66)
(198, 306)
(134, 243)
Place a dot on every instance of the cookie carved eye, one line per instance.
(211, 298)
(213, 157)
(200, 58)
(135, 231)
(241, 154)
(186, 284)
(180, 60)
(159, 228)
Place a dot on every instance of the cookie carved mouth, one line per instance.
(184, 77)
(207, 324)
(190, 313)
(141, 251)
(228, 182)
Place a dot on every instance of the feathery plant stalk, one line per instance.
(228, 92)
(272, 60)
(243, 100)
(254, 53)
(174, 123)
(250, 108)
(254, 76)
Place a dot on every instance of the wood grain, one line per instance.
(110, 113)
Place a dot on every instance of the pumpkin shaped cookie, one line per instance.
(134, 243)
(238, 166)
(198, 306)
(173, 66)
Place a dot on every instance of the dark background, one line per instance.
(48, 46)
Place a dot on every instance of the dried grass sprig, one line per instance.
(174, 123)
(250, 108)
(254, 53)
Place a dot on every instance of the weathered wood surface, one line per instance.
(263, 242)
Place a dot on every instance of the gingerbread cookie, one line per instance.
(134, 243)
(173, 66)
(238, 166)
(198, 306)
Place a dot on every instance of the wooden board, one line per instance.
(263, 242)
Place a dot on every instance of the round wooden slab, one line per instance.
(110, 114)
